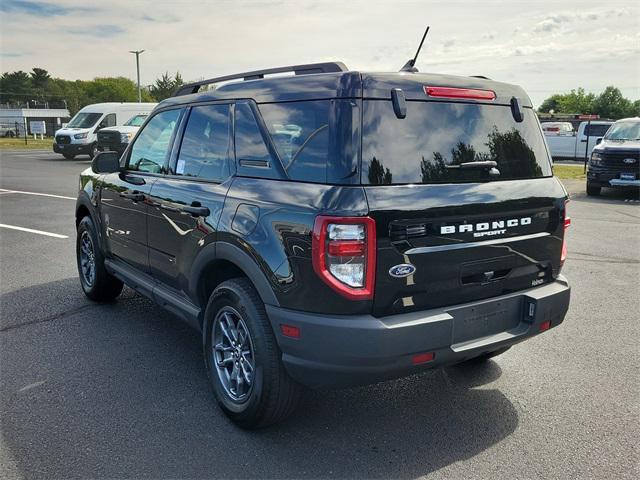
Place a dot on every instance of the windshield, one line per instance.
(629, 130)
(435, 138)
(136, 120)
(84, 120)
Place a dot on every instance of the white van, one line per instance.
(80, 134)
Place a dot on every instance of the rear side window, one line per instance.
(430, 143)
(300, 133)
(595, 130)
(206, 144)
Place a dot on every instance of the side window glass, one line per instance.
(108, 121)
(152, 146)
(300, 132)
(250, 147)
(204, 152)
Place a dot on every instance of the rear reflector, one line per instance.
(567, 224)
(451, 92)
(423, 358)
(545, 326)
(290, 331)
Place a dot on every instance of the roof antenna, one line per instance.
(410, 65)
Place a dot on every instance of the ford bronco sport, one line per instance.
(332, 227)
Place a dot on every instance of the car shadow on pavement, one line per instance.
(119, 390)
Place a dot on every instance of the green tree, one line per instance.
(611, 104)
(165, 86)
(15, 87)
(608, 104)
(40, 78)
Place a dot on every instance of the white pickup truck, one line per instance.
(576, 145)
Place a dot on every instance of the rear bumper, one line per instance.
(72, 148)
(339, 351)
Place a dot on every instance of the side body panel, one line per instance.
(272, 222)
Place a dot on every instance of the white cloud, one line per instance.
(545, 46)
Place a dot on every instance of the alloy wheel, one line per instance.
(233, 357)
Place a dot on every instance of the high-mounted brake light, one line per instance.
(567, 224)
(344, 254)
(453, 92)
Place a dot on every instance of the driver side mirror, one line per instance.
(598, 140)
(106, 162)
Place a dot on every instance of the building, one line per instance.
(16, 119)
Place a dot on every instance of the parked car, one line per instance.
(615, 162)
(117, 138)
(577, 146)
(79, 136)
(8, 130)
(557, 128)
(332, 228)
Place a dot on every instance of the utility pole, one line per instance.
(137, 53)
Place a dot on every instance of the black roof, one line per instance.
(335, 81)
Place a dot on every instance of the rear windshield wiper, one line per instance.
(489, 165)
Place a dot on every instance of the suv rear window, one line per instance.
(435, 137)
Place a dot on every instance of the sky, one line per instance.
(545, 46)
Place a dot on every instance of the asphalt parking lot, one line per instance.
(119, 390)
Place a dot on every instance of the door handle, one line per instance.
(584, 140)
(135, 196)
(196, 211)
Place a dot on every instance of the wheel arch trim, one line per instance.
(217, 251)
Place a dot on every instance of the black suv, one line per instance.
(332, 227)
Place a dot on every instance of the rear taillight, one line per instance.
(567, 223)
(344, 254)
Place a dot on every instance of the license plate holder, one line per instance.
(485, 319)
(627, 176)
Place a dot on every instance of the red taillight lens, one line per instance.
(567, 224)
(344, 254)
(451, 92)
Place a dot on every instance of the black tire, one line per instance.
(272, 394)
(487, 356)
(592, 190)
(93, 151)
(101, 286)
(9, 134)
(68, 156)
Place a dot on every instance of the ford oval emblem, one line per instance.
(629, 160)
(402, 270)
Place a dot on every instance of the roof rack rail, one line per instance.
(327, 67)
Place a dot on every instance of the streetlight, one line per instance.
(137, 53)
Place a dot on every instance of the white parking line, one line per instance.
(4, 190)
(31, 230)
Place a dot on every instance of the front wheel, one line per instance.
(93, 151)
(593, 190)
(243, 360)
(97, 284)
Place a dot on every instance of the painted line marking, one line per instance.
(32, 385)
(4, 190)
(31, 230)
